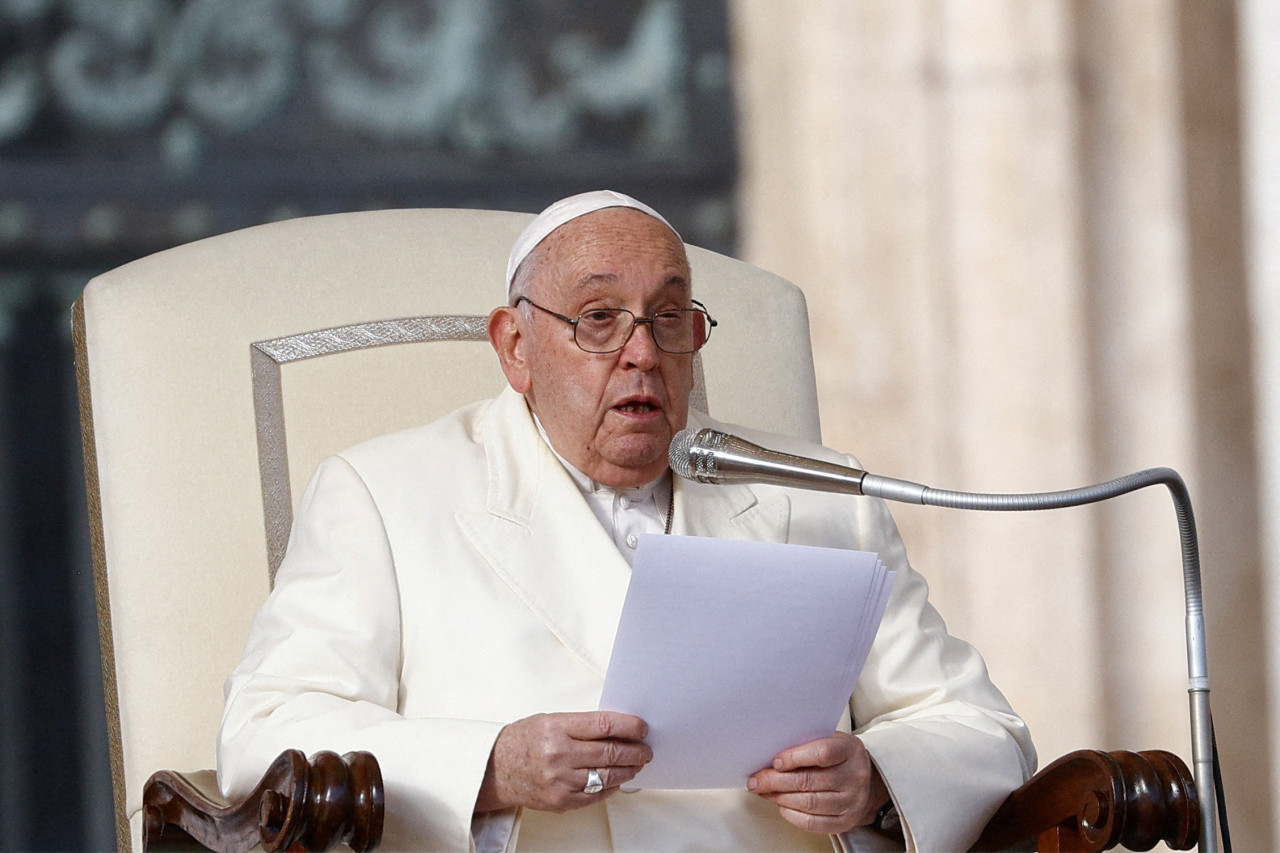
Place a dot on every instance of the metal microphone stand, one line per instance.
(1202, 743)
(711, 456)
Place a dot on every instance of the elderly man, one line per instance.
(450, 596)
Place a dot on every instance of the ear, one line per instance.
(505, 335)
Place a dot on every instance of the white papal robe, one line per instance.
(444, 581)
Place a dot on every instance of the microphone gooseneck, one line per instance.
(712, 456)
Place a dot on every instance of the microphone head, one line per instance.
(718, 458)
(678, 453)
(692, 454)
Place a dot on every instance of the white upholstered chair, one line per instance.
(214, 377)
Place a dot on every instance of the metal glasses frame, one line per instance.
(635, 321)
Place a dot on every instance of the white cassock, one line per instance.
(444, 581)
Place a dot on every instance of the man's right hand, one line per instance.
(541, 762)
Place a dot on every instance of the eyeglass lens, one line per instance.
(607, 329)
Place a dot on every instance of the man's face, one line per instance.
(611, 415)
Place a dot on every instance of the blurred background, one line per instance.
(1038, 239)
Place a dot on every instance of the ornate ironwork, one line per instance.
(144, 123)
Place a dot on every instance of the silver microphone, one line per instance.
(711, 456)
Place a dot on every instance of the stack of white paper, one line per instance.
(733, 651)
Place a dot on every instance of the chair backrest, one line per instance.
(214, 376)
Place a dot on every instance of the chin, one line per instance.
(633, 471)
(641, 451)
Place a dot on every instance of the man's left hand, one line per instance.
(828, 785)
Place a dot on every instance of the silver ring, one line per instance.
(594, 783)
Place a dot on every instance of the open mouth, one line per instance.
(636, 408)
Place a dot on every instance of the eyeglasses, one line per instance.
(603, 330)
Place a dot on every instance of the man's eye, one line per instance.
(601, 316)
(668, 317)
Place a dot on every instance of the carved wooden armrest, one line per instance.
(298, 805)
(1091, 800)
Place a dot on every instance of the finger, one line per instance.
(796, 781)
(611, 778)
(828, 825)
(610, 753)
(817, 803)
(596, 725)
(823, 752)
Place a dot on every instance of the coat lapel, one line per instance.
(729, 512)
(540, 536)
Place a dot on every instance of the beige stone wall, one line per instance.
(1019, 226)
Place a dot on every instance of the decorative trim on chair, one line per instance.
(267, 356)
(407, 330)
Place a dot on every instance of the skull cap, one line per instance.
(566, 210)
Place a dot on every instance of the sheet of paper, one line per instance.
(733, 651)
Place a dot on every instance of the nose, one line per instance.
(641, 350)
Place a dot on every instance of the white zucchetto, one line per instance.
(566, 210)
